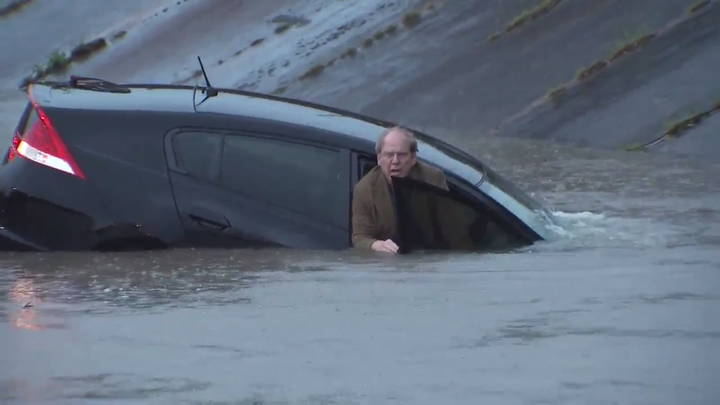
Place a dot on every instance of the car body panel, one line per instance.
(135, 188)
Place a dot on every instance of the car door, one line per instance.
(431, 218)
(236, 189)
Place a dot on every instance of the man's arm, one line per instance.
(362, 226)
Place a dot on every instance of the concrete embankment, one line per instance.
(505, 68)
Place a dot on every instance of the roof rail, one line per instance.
(87, 83)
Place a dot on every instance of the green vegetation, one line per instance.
(556, 93)
(697, 6)
(119, 35)
(349, 53)
(585, 73)
(314, 71)
(677, 128)
(391, 29)
(282, 28)
(257, 42)
(631, 46)
(379, 35)
(280, 90)
(411, 19)
(493, 37)
(543, 8)
(368, 43)
(85, 50)
(13, 7)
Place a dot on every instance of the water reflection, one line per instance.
(23, 294)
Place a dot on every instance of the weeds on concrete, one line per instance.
(13, 7)
(349, 53)
(697, 6)
(556, 93)
(257, 42)
(87, 49)
(677, 128)
(543, 8)
(368, 43)
(493, 37)
(379, 35)
(391, 29)
(314, 71)
(411, 19)
(631, 46)
(282, 28)
(119, 35)
(591, 70)
(280, 90)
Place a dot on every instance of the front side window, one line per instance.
(434, 219)
(301, 178)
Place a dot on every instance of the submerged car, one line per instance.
(95, 165)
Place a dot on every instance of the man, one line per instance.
(373, 207)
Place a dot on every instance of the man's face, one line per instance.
(395, 158)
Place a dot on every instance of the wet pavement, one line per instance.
(621, 309)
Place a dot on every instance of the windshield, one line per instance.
(492, 184)
(450, 158)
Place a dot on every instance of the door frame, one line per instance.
(282, 134)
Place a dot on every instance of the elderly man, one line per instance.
(373, 207)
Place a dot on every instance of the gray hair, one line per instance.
(408, 134)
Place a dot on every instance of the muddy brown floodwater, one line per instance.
(621, 308)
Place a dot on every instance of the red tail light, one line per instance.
(42, 144)
(13, 147)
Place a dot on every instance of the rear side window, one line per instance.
(199, 154)
(298, 177)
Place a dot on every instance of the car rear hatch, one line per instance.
(25, 216)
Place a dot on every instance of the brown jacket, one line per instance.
(373, 217)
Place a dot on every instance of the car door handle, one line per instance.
(209, 219)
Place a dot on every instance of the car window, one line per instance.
(298, 177)
(430, 218)
(199, 153)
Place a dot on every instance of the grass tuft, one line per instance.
(280, 90)
(368, 43)
(544, 7)
(493, 37)
(119, 35)
(13, 7)
(85, 50)
(591, 70)
(631, 46)
(555, 94)
(314, 71)
(282, 28)
(349, 53)
(697, 6)
(257, 42)
(411, 19)
(391, 29)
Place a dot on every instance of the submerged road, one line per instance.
(621, 309)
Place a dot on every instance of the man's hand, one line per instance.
(384, 246)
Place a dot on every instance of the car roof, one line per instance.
(179, 99)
